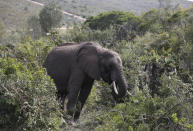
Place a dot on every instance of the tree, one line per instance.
(105, 20)
(50, 17)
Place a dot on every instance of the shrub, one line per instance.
(50, 17)
(170, 106)
(144, 112)
(27, 94)
(31, 52)
(82, 34)
(157, 59)
(157, 64)
(27, 98)
(105, 20)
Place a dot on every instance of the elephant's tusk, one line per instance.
(129, 93)
(114, 87)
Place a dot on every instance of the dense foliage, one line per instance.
(156, 49)
(105, 20)
(50, 17)
(27, 95)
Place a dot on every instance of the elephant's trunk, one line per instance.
(122, 86)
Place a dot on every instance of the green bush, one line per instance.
(168, 108)
(158, 67)
(50, 17)
(82, 34)
(33, 53)
(156, 50)
(27, 98)
(144, 112)
(154, 21)
(105, 20)
(27, 94)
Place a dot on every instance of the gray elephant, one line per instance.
(74, 67)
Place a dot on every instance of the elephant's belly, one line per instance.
(61, 82)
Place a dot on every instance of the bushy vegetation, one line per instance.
(105, 20)
(50, 17)
(156, 50)
(14, 13)
(157, 55)
(27, 94)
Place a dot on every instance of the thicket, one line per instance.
(156, 49)
(27, 94)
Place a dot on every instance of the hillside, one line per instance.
(14, 13)
(93, 7)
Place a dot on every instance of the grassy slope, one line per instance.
(93, 7)
(14, 13)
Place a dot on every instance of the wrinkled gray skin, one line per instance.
(74, 67)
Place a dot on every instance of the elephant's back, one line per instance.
(60, 56)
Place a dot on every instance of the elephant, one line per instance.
(75, 66)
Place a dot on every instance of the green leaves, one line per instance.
(27, 94)
(50, 17)
(156, 50)
(109, 18)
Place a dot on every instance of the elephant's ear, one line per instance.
(88, 60)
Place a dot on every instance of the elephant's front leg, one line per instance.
(61, 95)
(74, 86)
(83, 95)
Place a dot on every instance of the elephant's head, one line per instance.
(99, 62)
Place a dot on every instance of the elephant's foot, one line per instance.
(76, 115)
(70, 110)
(71, 122)
(69, 119)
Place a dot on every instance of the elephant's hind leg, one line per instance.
(83, 95)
